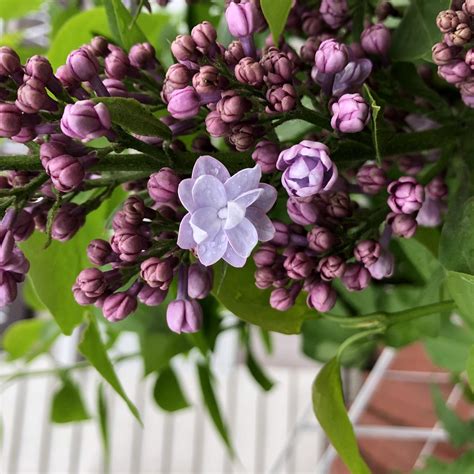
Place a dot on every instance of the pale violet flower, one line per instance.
(226, 214)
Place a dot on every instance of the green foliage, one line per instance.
(470, 368)
(276, 14)
(374, 121)
(461, 289)
(257, 372)
(15, 9)
(462, 465)
(357, 10)
(67, 404)
(168, 393)
(93, 349)
(103, 419)
(235, 289)
(417, 32)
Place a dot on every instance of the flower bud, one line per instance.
(243, 19)
(66, 172)
(468, 7)
(309, 48)
(298, 265)
(184, 48)
(9, 61)
(32, 96)
(312, 23)
(302, 211)
(92, 282)
(455, 72)
(266, 155)
(215, 126)
(69, 219)
(281, 99)
(129, 244)
(163, 186)
(278, 67)
(356, 277)
(233, 106)
(184, 316)
(234, 53)
(403, 225)
(264, 277)
(22, 224)
(249, 71)
(8, 288)
(371, 178)
(208, 82)
(334, 12)
(151, 296)
(282, 299)
(10, 120)
(184, 103)
(39, 68)
(376, 40)
(331, 57)
(99, 46)
(350, 114)
(321, 239)
(199, 281)
(322, 297)
(117, 64)
(100, 252)
(437, 188)
(367, 252)
(134, 210)
(158, 273)
(282, 234)
(406, 195)
(339, 205)
(178, 76)
(461, 35)
(443, 54)
(143, 56)
(204, 35)
(448, 20)
(83, 64)
(383, 267)
(331, 267)
(118, 306)
(265, 256)
(242, 136)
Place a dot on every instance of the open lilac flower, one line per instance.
(227, 215)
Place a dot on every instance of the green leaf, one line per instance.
(357, 10)
(67, 405)
(14, 9)
(461, 289)
(134, 117)
(460, 432)
(103, 418)
(276, 14)
(375, 110)
(168, 393)
(93, 349)
(29, 338)
(470, 368)
(210, 400)
(257, 372)
(330, 410)
(462, 465)
(235, 289)
(125, 31)
(417, 32)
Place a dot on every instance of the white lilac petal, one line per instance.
(207, 165)
(316, 176)
(243, 238)
(267, 199)
(185, 235)
(208, 191)
(212, 250)
(263, 225)
(233, 259)
(235, 215)
(300, 169)
(247, 199)
(243, 181)
(185, 193)
(205, 224)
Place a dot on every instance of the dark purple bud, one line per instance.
(129, 244)
(66, 172)
(215, 126)
(282, 234)
(143, 56)
(331, 57)
(50, 150)
(249, 71)
(411, 164)
(406, 195)
(100, 252)
(9, 61)
(371, 178)
(151, 296)
(158, 272)
(334, 12)
(118, 306)
(403, 225)
(184, 48)
(116, 88)
(264, 277)
(339, 205)
(117, 64)
(92, 282)
(356, 277)
(83, 64)
(134, 210)
(39, 68)
(309, 48)
(184, 316)
(279, 69)
(20, 223)
(282, 299)
(331, 267)
(233, 106)
(86, 120)
(208, 82)
(184, 103)
(350, 113)
(243, 19)
(32, 96)
(312, 23)
(322, 297)
(455, 72)
(178, 76)
(69, 219)
(25, 135)
(10, 120)
(299, 265)
(367, 252)
(302, 211)
(8, 288)
(163, 186)
(242, 136)
(468, 7)
(266, 155)
(443, 54)
(67, 78)
(281, 99)
(202, 144)
(376, 40)
(234, 53)
(437, 188)
(99, 46)
(321, 239)
(204, 35)
(265, 256)
(200, 280)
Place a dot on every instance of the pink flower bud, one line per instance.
(321, 297)
(118, 306)
(10, 120)
(163, 186)
(158, 273)
(367, 252)
(403, 225)
(199, 281)
(117, 64)
(215, 126)
(376, 40)
(99, 252)
(39, 68)
(406, 195)
(371, 178)
(331, 57)
(243, 19)
(233, 106)
(234, 53)
(356, 277)
(266, 155)
(67, 172)
(143, 56)
(204, 35)
(281, 99)
(69, 219)
(331, 267)
(302, 211)
(151, 296)
(249, 71)
(265, 256)
(321, 239)
(350, 113)
(184, 103)
(83, 64)
(9, 61)
(298, 265)
(455, 72)
(184, 316)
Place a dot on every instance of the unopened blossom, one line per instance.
(10, 120)
(406, 195)
(383, 267)
(371, 178)
(331, 57)
(266, 155)
(376, 40)
(334, 12)
(350, 113)
(321, 297)
(226, 215)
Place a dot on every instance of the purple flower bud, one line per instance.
(67, 172)
(242, 136)
(8, 288)
(134, 210)
(334, 12)
(350, 114)
(200, 280)
(234, 53)
(460, 36)
(20, 223)
(281, 99)
(39, 68)
(158, 272)
(331, 267)
(92, 282)
(184, 103)
(309, 48)
(266, 155)
(86, 120)
(279, 69)
(468, 7)
(469, 59)
(371, 178)
(302, 211)
(249, 71)
(403, 225)
(99, 46)
(9, 61)
(265, 256)
(151, 296)
(455, 72)
(184, 48)
(215, 126)
(307, 169)
(208, 83)
(184, 316)
(143, 56)
(118, 306)
(331, 57)
(116, 88)
(448, 20)
(282, 234)
(437, 188)
(321, 239)
(376, 40)
(367, 252)
(443, 54)
(204, 35)
(299, 265)
(50, 150)
(69, 219)
(322, 297)
(282, 299)
(117, 64)
(265, 277)
(129, 244)
(10, 120)
(178, 76)
(430, 213)
(243, 19)
(32, 96)
(406, 195)
(383, 267)
(163, 186)
(312, 23)
(83, 64)
(232, 107)
(339, 205)
(100, 252)
(356, 277)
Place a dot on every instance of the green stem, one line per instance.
(355, 338)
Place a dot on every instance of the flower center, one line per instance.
(222, 213)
